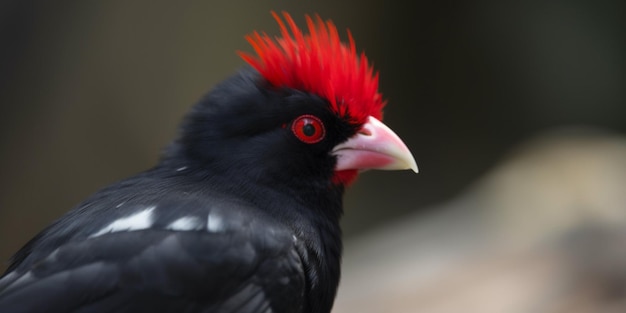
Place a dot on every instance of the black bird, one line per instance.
(241, 214)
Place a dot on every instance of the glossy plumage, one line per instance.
(241, 214)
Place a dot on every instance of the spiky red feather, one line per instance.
(319, 63)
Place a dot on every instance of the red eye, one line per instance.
(308, 128)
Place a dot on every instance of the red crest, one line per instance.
(318, 63)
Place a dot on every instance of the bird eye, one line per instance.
(308, 128)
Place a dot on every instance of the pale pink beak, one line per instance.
(375, 146)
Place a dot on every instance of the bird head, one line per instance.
(307, 108)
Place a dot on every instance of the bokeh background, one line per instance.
(514, 110)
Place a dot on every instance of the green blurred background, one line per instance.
(90, 91)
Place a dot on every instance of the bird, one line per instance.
(241, 212)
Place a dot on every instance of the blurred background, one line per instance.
(514, 110)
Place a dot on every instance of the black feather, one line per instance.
(278, 244)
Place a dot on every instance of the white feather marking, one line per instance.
(186, 223)
(24, 279)
(137, 221)
(6, 279)
(53, 256)
(215, 223)
(181, 168)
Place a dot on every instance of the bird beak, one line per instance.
(375, 146)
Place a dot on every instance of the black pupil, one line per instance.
(308, 130)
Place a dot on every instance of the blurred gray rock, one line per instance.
(544, 232)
